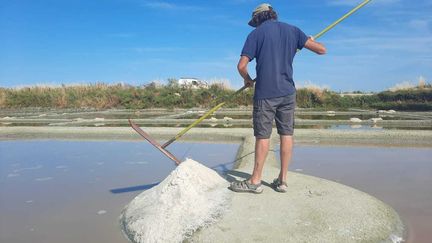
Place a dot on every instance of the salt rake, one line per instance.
(217, 107)
(182, 132)
(153, 142)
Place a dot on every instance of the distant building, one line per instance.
(355, 94)
(192, 82)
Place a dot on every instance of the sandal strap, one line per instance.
(241, 184)
(246, 185)
(277, 182)
(252, 186)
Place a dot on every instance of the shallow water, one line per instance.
(348, 117)
(114, 118)
(312, 117)
(74, 191)
(401, 177)
(228, 125)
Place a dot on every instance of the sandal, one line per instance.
(246, 186)
(279, 186)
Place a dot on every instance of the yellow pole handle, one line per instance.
(193, 124)
(341, 19)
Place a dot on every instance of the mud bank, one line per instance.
(304, 136)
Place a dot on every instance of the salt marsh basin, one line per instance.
(316, 137)
(74, 191)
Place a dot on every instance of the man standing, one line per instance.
(273, 44)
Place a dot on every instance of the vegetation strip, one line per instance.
(173, 95)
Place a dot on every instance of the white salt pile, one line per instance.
(355, 119)
(192, 196)
(375, 120)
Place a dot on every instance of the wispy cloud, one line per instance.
(160, 5)
(121, 35)
(395, 43)
(227, 19)
(170, 6)
(421, 25)
(155, 49)
(357, 2)
(242, 1)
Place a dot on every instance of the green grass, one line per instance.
(104, 96)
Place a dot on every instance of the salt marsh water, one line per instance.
(74, 191)
(307, 119)
(401, 177)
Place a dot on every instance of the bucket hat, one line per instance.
(259, 9)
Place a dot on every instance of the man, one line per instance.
(273, 44)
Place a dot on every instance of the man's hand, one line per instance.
(242, 68)
(249, 82)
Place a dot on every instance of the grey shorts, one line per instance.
(280, 109)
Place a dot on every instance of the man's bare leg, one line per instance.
(261, 151)
(286, 145)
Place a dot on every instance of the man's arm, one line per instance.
(242, 69)
(314, 46)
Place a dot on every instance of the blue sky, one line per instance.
(138, 41)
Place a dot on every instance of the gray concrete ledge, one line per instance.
(404, 138)
(313, 210)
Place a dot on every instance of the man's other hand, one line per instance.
(242, 68)
(249, 82)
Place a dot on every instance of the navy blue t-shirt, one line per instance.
(274, 45)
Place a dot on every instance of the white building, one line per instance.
(192, 82)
